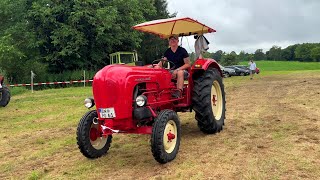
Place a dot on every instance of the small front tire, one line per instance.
(90, 141)
(165, 138)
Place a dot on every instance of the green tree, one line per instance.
(152, 47)
(243, 56)
(229, 59)
(233, 53)
(259, 55)
(76, 34)
(217, 55)
(288, 53)
(192, 57)
(18, 48)
(274, 53)
(72, 34)
(207, 55)
(303, 52)
(315, 54)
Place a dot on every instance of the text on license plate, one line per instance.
(107, 113)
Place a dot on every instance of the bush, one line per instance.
(229, 59)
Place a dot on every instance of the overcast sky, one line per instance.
(251, 24)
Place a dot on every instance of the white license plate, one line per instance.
(107, 113)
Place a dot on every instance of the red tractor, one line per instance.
(4, 93)
(138, 99)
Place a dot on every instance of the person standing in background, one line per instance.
(252, 68)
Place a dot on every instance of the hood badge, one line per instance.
(143, 79)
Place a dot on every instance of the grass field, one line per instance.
(271, 132)
(285, 65)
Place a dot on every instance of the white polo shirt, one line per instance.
(253, 66)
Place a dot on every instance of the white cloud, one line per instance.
(249, 24)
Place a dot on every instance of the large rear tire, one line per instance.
(209, 101)
(165, 138)
(90, 142)
(4, 97)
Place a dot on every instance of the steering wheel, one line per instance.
(163, 62)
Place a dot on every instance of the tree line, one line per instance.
(306, 52)
(55, 36)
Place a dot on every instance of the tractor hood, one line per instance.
(113, 86)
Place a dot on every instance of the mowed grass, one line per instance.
(271, 132)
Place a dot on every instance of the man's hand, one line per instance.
(157, 67)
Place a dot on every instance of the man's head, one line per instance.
(173, 41)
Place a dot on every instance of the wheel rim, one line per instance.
(216, 100)
(170, 136)
(97, 141)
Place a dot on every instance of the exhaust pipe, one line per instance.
(95, 121)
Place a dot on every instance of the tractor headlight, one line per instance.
(141, 100)
(88, 103)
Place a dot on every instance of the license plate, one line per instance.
(107, 113)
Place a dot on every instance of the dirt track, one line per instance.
(272, 131)
(276, 123)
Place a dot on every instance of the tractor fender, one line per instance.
(204, 64)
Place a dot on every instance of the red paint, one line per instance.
(93, 134)
(113, 87)
(214, 100)
(171, 136)
(206, 63)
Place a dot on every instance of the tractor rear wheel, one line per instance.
(165, 138)
(90, 141)
(209, 101)
(4, 96)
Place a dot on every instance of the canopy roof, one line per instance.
(174, 26)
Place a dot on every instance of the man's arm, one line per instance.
(187, 64)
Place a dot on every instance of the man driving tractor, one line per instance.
(180, 57)
(142, 100)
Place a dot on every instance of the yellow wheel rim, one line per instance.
(170, 136)
(99, 142)
(216, 100)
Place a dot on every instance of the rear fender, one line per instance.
(204, 64)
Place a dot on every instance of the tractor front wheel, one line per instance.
(165, 138)
(209, 101)
(89, 139)
(4, 96)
